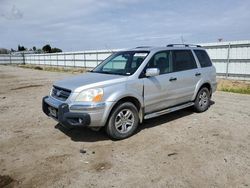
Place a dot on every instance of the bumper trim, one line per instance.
(64, 116)
(88, 106)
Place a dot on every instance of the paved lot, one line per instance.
(182, 149)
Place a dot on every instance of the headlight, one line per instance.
(90, 95)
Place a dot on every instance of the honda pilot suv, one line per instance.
(133, 85)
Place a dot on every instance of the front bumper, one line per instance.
(63, 115)
(76, 114)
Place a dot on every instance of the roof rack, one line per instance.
(185, 45)
(143, 47)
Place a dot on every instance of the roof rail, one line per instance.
(185, 45)
(143, 47)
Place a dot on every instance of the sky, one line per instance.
(75, 25)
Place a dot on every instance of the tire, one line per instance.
(202, 100)
(123, 121)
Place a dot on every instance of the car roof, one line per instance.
(168, 47)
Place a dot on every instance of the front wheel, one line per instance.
(123, 121)
(202, 101)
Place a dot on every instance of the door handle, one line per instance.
(197, 74)
(172, 79)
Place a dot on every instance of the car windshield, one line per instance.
(122, 63)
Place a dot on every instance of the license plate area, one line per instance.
(52, 111)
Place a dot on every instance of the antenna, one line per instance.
(182, 39)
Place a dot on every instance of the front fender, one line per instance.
(133, 88)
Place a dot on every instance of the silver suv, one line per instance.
(133, 85)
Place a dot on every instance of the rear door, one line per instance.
(187, 73)
(176, 82)
(206, 67)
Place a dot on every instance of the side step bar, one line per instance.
(168, 110)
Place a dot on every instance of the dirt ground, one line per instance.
(182, 149)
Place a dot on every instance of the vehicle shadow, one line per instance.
(83, 134)
(150, 123)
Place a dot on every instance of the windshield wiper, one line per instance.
(102, 72)
(107, 72)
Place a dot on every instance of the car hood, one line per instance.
(89, 80)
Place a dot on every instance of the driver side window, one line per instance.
(162, 61)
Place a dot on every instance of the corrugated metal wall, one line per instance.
(231, 59)
(87, 59)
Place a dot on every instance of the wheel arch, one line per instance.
(204, 84)
(135, 101)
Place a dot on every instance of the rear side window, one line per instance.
(183, 60)
(203, 58)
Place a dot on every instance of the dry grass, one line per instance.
(54, 69)
(234, 86)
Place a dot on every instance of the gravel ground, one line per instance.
(182, 149)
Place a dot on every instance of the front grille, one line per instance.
(60, 93)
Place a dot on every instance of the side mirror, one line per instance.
(150, 72)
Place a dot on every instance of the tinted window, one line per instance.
(161, 61)
(136, 62)
(203, 58)
(183, 60)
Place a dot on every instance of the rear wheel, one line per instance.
(202, 101)
(123, 121)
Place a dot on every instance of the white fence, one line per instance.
(86, 59)
(11, 59)
(231, 59)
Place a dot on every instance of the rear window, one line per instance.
(203, 58)
(183, 60)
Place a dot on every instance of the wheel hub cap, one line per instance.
(203, 99)
(124, 121)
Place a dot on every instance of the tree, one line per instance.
(39, 51)
(47, 48)
(34, 48)
(21, 48)
(55, 50)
